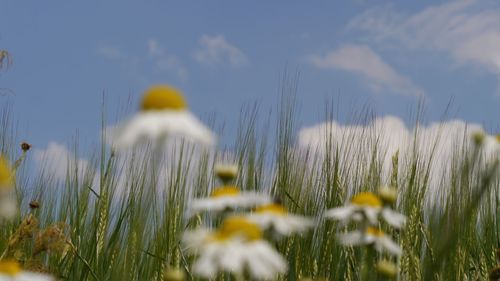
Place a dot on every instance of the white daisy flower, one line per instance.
(236, 247)
(275, 217)
(228, 196)
(8, 205)
(163, 114)
(11, 271)
(366, 206)
(372, 236)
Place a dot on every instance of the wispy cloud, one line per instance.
(363, 61)
(110, 52)
(155, 57)
(216, 50)
(164, 61)
(467, 30)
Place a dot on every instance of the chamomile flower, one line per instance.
(366, 206)
(229, 196)
(8, 205)
(11, 271)
(164, 113)
(371, 236)
(274, 216)
(236, 247)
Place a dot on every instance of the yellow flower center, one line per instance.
(276, 209)
(238, 226)
(9, 267)
(6, 174)
(367, 199)
(375, 231)
(163, 97)
(225, 191)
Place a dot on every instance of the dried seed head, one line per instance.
(495, 274)
(36, 266)
(5, 59)
(25, 146)
(34, 204)
(53, 239)
(26, 230)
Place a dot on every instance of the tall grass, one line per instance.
(124, 214)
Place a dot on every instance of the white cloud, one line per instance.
(110, 52)
(154, 49)
(155, 58)
(57, 161)
(355, 144)
(164, 61)
(467, 30)
(363, 61)
(215, 50)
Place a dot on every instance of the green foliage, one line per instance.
(125, 219)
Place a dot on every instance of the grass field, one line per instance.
(124, 216)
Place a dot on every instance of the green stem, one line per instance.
(367, 267)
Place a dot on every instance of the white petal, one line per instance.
(232, 257)
(206, 265)
(264, 262)
(352, 238)
(185, 124)
(154, 125)
(393, 218)
(195, 240)
(389, 245)
(283, 224)
(31, 276)
(372, 214)
(243, 200)
(340, 213)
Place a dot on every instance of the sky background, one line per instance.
(226, 54)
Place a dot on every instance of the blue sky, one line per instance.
(224, 54)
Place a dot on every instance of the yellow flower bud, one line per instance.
(388, 194)
(387, 268)
(174, 274)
